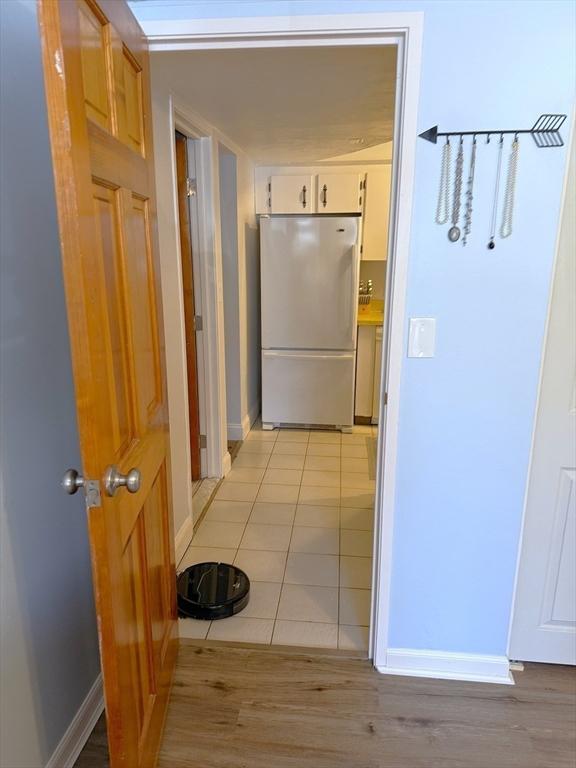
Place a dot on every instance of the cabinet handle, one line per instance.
(324, 195)
(304, 196)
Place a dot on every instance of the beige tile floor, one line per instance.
(296, 513)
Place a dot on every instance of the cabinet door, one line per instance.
(339, 193)
(376, 215)
(365, 371)
(292, 194)
(377, 375)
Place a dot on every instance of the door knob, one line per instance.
(113, 479)
(72, 481)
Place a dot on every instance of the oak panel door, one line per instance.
(97, 84)
(189, 308)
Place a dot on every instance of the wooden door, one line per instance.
(97, 83)
(339, 193)
(292, 194)
(544, 621)
(189, 309)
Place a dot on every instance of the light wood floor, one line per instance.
(237, 707)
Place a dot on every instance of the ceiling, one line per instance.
(289, 105)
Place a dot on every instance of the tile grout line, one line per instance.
(288, 550)
(259, 484)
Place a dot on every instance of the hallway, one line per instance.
(296, 513)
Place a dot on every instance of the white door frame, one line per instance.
(208, 294)
(405, 31)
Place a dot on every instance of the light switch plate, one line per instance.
(422, 337)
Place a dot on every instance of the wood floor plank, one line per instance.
(237, 707)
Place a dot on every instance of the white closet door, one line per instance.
(544, 621)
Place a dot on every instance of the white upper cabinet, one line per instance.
(376, 215)
(292, 194)
(339, 193)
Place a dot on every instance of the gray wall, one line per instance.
(48, 644)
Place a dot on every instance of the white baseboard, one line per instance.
(183, 538)
(447, 665)
(79, 730)
(226, 464)
(235, 432)
(240, 431)
(250, 418)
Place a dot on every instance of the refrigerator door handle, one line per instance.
(307, 356)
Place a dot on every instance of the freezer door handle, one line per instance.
(307, 356)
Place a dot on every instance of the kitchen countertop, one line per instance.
(371, 314)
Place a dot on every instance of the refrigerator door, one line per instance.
(309, 278)
(308, 387)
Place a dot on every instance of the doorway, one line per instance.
(301, 499)
(174, 106)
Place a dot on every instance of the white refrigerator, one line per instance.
(309, 297)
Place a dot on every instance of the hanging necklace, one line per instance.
(491, 243)
(454, 231)
(469, 194)
(508, 207)
(443, 207)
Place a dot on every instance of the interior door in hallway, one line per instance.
(97, 83)
(184, 190)
(544, 622)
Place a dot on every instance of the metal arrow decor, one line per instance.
(545, 132)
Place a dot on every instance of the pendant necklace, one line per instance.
(454, 231)
(469, 194)
(491, 243)
(508, 207)
(443, 207)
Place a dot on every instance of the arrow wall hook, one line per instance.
(545, 132)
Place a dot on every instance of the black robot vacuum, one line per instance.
(212, 591)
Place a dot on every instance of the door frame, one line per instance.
(401, 29)
(208, 272)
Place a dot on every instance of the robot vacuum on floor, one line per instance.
(212, 591)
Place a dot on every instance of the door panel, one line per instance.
(95, 55)
(107, 228)
(131, 118)
(143, 308)
(96, 69)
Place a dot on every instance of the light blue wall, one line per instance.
(48, 635)
(466, 415)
